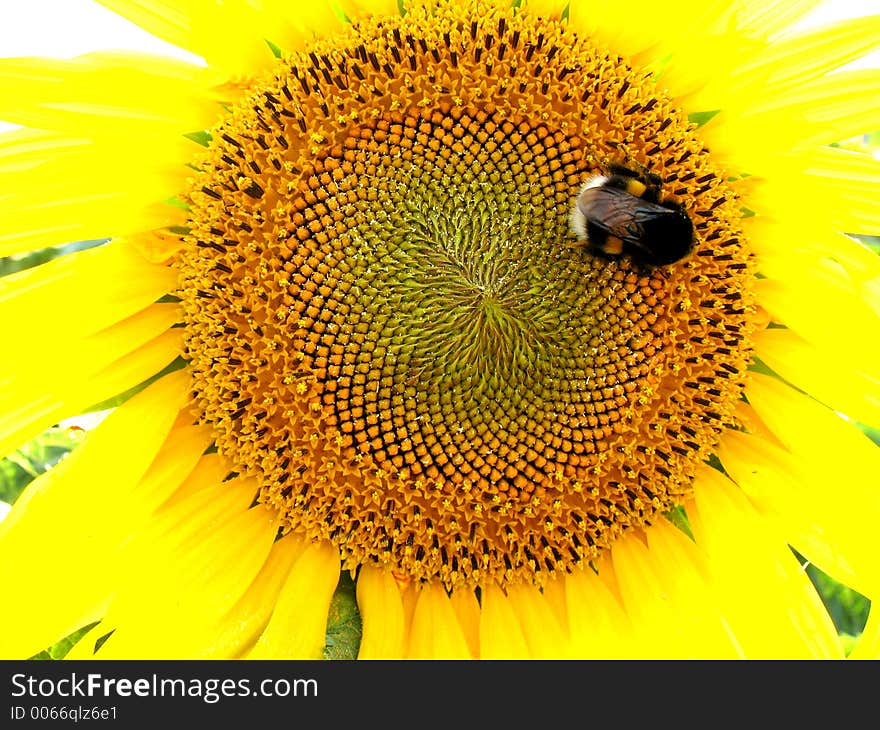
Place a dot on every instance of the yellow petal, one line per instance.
(682, 568)
(435, 632)
(39, 207)
(781, 245)
(119, 94)
(833, 529)
(83, 511)
(600, 628)
(553, 590)
(176, 461)
(467, 609)
(210, 471)
(298, 626)
(666, 594)
(803, 305)
(813, 432)
(104, 284)
(76, 396)
(381, 609)
(769, 604)
(833, 498)
(822, 373)
(170, 612)
(829, 109)
(41, 386)
(868, 646)
(848, 184)
(240, 627)
(799, 58)
(544, 635)
(500, 634)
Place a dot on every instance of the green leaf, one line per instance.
(60, 650)
(759, 366)
(21, 261)
(700, 118)
(276, 51)
(678, 516)
(38, 455)
(848, 609)
(202, 137)
(343, 622)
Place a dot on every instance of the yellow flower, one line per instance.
(382, 350)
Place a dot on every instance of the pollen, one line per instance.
(389, 325)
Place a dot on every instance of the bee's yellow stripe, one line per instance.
(635, 187)
(613, 245)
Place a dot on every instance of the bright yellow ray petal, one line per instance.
(822, 373)
(69, 396)
(119, 94)
(553, 590)
(39, 207)
(668, 598)
(381, 609)
(467, 609)
(81, 508)
(830, 109)
(645, 602)
(812, 431)
(238, 630)
(210, 471)
(784, 249)
(106, 284)
(828, 506)
(171, 610)
(551, 8)
(799, 58)
(500, 634)
(802, 305)
(681, 566)
(175, 462)
(784, 490)
(848, 185)
(768, 20)
(659, 34)
(435, 632)
(33, 374)
(157, 560)
(600, 629)
(92, 351)
(298, 625)
(769, 603)
(235, 632)
(545, 637)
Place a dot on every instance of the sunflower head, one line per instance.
(392, 328)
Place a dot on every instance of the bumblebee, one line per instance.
(623, 214)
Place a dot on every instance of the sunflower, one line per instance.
(364, 344)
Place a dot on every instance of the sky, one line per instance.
(65, 28)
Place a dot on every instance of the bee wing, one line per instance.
(619, 213)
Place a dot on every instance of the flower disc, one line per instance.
(391, 328)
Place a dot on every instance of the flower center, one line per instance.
(388, 323)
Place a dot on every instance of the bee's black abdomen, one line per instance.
(668, 239)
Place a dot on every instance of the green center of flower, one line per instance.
(389, 324)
